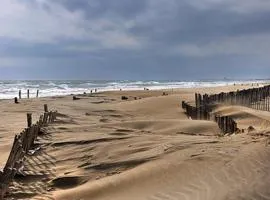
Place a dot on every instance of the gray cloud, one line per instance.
(127, 39)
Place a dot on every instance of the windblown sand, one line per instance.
(145, 148)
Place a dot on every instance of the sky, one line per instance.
(134, 39)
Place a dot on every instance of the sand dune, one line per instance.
(143, 148)
(222, 175)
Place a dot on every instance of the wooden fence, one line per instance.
(257, 98)
(23, 145)
(225, 123)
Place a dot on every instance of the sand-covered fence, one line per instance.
(203, 112)
(23, 145)
(256, 98)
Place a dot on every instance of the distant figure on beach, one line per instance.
(95, 90)
(91, 91)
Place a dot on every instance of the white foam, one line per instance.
(10, 89)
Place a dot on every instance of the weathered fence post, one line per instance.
(45, 108)
(28, 94)
(16, 100)
(197, 100)
(29, 119)
(20, 94)
(37, 93)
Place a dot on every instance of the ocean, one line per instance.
(10, 89)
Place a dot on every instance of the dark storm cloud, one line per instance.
(174, 20)
(100, 8)
(128, 39)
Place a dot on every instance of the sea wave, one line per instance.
(9, 89)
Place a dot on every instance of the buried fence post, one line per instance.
(40, 122)
(184, 106)
(54, 115)
(45, 118)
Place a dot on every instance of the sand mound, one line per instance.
(155, 107)
(170, 127)
(199, 177)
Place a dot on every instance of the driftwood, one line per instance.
(76, 98)
(124, 98)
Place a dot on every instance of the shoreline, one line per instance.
(53, 89)
(238, 86)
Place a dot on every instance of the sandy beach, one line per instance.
(147, 100)
(143, 148)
